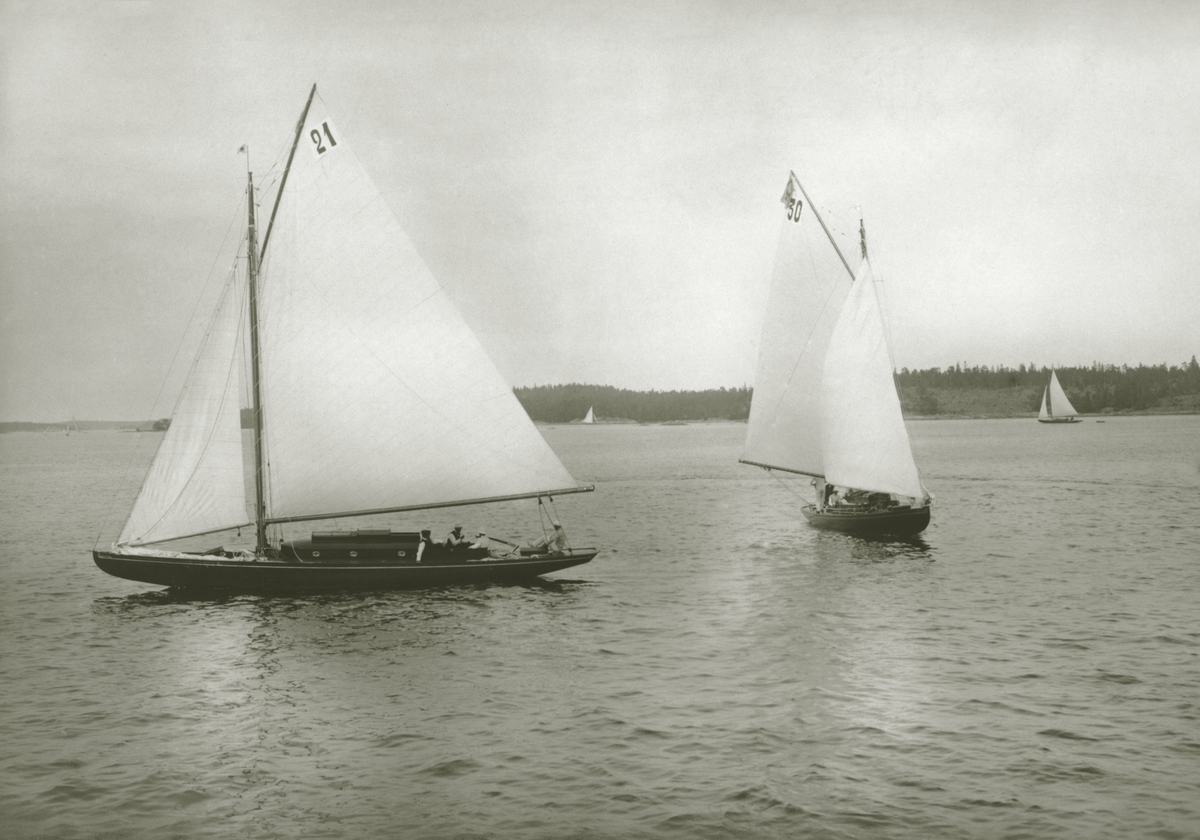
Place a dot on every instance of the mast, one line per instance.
(260, 508)
(254, 258)
(287, 169)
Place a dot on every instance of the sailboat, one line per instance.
(1056, 408)
(825, 403)
(590, 418)
(370, 396)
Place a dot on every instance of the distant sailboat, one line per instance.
(825, 402)
(1056, 408)
(370, 396)
(590, 418)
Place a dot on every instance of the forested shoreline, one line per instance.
(956, 391)
(564, 403)
(1003, 391)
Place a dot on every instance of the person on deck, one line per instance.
(555, 543)
(832, 496)
(426, 541)
(456, 537)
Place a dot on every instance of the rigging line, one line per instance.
(881, 295)
(174, 358)
(786, 485)
(542, 519)
(231, 368)
(196, 307)
(558, 520)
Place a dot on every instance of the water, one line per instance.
(1031, 668)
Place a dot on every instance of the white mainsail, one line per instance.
(863, 437)
(808, 288)
(1057, 404)
(376, 394)
(590, 418)
(196, 482)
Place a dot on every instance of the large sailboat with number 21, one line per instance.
(370, 397)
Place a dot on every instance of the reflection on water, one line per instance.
(721, 670)
(835, 547)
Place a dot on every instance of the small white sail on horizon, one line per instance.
(1055, 405)
(590, 418)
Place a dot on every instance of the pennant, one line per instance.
(789, 201)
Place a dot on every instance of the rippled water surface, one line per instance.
(1030, 668)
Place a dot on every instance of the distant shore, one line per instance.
(85, 426)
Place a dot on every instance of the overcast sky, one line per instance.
(596, 184)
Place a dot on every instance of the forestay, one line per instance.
(808, 288)
(376, 394)
(196, 481)
(865, 441)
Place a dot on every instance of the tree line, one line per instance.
(1090, 389)
(1093, 389)
(564, 403)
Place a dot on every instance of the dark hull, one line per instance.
(197, 572)
(897, 522)
(1060, 420)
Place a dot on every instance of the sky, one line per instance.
(597, 185)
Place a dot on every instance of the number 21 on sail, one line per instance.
(323, 138)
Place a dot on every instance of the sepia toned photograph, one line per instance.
(599, 420)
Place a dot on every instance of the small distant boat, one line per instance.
(590, 418)
(1056, 408)
(825, 402)
(370, 394)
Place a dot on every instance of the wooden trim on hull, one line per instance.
(272, 576)
(903, 523)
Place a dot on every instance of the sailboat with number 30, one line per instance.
(825, 402)
(370, 396)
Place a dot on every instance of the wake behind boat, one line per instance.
(1056, 408)
(825, 402)
(370, 396)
